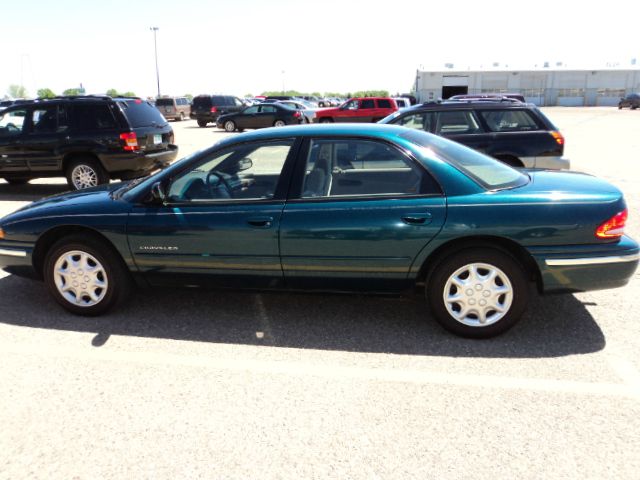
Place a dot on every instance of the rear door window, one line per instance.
(509, 120)
(457, 122)
(141, 113)
(368, 103)
(94, 117)
(384, 104)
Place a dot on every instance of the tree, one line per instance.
(72, 91)
(128, 94)
(189, 96)
(17, 91)
(46, 93)
(112, 92)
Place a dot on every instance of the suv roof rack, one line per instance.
(495, 99)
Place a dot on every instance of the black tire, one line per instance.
(202, 123)
(85, 172)
(488, 290)
(114, 273)
(230, 126)
(17, 181)
(326, 120)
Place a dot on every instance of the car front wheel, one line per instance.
(85, 275)
(230, 126)
(478, 293)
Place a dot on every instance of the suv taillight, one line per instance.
(614, 227)
(557, 136)
(214, 109)
(130, 141)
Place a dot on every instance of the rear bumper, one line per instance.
(583, 268)
(139, 164)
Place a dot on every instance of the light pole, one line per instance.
(155, 45)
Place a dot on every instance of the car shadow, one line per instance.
(554, 325)
(30, 191)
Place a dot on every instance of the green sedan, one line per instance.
(366, 208)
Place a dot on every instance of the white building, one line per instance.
(543, 87)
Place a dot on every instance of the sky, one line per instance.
(245, 47)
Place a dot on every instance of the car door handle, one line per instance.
(417, 218)
(260, 222)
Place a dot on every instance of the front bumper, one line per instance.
(580, 268)
(15, 258)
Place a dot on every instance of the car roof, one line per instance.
(317, 130)
(466, 104)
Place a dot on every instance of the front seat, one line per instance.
(318, 182)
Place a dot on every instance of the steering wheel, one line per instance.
(222, 181)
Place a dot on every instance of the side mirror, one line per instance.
(157, 193)
(244, 164)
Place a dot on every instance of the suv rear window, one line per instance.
(141, 113)
(509, 120)
(202, 102)
(165, 102)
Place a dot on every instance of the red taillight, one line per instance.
(614, 227)
(130, 141)
(557, 136)
(297, 114)
(214, 109)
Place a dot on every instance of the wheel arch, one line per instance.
(72, 156)
(505, 245)
(51, 236)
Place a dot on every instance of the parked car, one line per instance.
(207, 108)
(402, 102)
(374, 208)
(260, 116)
(632, 101)
(303, 106)
(370, 109)
(87, 139)
(174, 108)
(515, 133)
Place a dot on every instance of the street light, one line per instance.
(155, 44)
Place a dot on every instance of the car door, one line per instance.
(46, 136)
(349, 112)
(360, 214)
(219, 223)
(266, 116)
(248, 117)
(462, 126)
(12, 134)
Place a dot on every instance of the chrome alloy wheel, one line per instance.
(478, 294)
(279, 123)
(80, 278)
(83, 176)
(229, 126)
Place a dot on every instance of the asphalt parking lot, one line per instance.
(207, 384)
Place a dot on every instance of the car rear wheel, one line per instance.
(478, 293)
(202, 123)
(279, 123)
(230, 126)
(86, 173)
(181, 116)
(85, 275)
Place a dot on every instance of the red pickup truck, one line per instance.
(369, 109)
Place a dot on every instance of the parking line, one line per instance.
(333, 371)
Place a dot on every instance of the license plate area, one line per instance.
(157, 139)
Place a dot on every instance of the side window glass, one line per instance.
(352, 105)
(457, 122)
(509, 121)
(238, 102)
(384, 104)
(44, 119)
(419, 121)
(267, 109)
(247, 172)
(368, 103)
(12, 123)
(252, 110)
(338, 168)
(93, 117)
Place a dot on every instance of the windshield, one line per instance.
(488, 172)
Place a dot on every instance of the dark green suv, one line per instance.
(87, 139)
